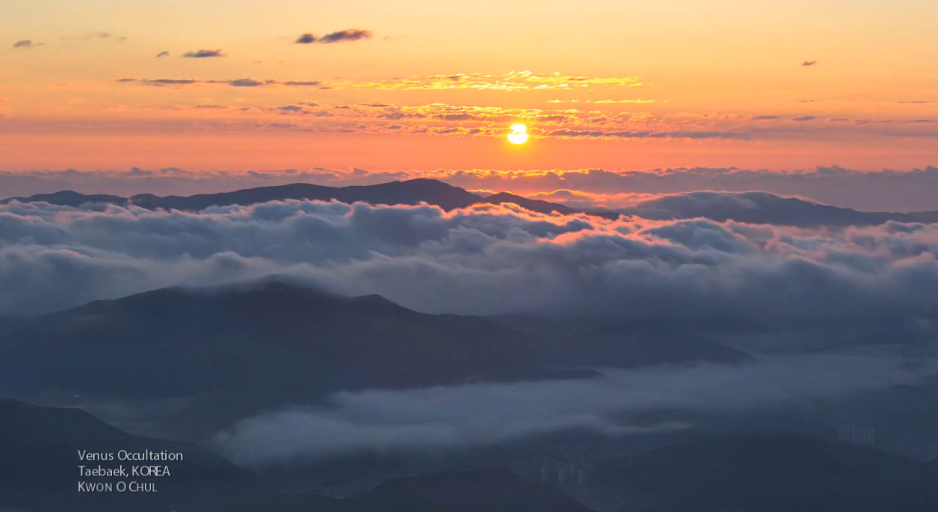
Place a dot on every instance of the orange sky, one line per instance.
(436, 85)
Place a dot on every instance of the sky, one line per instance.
(241, 85)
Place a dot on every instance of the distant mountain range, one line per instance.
(409, 192)
(272, 342)
(458, 491)
(752, 207)
(769, 472)
(765, 208)
(39, 467)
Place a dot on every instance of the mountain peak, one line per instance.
(407, 192)
(68, 198)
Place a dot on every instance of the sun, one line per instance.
(519, 134)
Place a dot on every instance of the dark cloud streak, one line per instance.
(340, 36)
(239, 82)
(202, 54)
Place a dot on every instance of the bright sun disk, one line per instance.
(519, 134)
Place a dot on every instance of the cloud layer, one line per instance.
(482, 260)
(476, 415)
(202, 54)
(339, 36)
(598, 119)
(238, 82)
(26, 43)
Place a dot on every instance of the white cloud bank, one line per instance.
(476, 415)
(482, 260)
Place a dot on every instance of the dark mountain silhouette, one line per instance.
(396, 192)
(70, 198)
(242, 349)
(765, 208)
(409, 192)
(752, 207)
(39, 466)
(469, 491)
(769, 472)
(267, 343)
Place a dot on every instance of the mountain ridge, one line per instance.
(275, 343)
(751, 207)
(269, 342)
(409, 192)
(39, 466)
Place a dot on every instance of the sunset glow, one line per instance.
(666, 85)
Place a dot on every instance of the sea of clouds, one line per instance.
(481, 260)
(491, 259)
